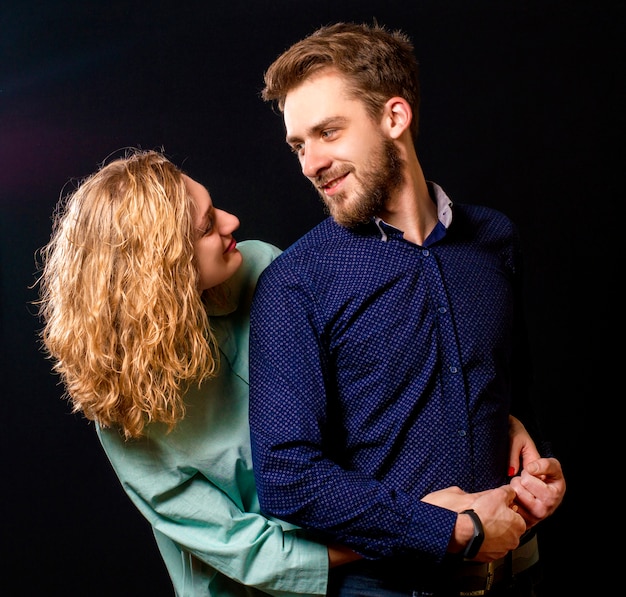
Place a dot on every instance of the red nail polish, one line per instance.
(511, 471)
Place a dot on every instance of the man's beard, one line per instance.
(382, 175)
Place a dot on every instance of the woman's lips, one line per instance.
(231, 246)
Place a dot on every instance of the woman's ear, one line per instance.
(397, 116)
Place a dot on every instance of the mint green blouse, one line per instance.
(196, 487)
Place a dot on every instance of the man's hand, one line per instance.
(502, 525)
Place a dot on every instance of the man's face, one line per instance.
(342, 151)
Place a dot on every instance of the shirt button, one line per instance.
(425, 252)
(453, 369)
(462, 433)
(442, 309)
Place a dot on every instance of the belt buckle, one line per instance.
(488, 582)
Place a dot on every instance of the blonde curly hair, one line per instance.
(124, 321)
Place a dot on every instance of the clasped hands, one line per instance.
(507, 512)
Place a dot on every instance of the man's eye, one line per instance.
(297, 148)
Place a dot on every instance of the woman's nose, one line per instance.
(227, 223)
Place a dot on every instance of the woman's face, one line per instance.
(214, 246)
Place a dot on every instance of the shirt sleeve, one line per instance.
(200, 518)
(298, 478)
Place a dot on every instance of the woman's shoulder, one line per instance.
(257, 255)
(258, 251)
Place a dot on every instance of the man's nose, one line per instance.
(314, 160)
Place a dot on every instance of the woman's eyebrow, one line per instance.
(206, 218)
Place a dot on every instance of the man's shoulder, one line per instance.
(481, 217)
(479, 212)
(480, 224)
(315, 240)
(307, 256)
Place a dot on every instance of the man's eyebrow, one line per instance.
(317, 128)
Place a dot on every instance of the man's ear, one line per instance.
(397, 116)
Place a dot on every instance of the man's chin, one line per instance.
(335, 208)
(346, 221)
(338, 216)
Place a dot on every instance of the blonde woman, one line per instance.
(144, 296)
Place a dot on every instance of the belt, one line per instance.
(473, 579)
(454, 577)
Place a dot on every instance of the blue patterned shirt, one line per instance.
(381, 371)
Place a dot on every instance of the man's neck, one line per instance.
(411, 209)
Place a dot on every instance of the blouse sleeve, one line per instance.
(193, 515)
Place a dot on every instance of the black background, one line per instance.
(522, 110)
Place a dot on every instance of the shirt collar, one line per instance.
(444, 204)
